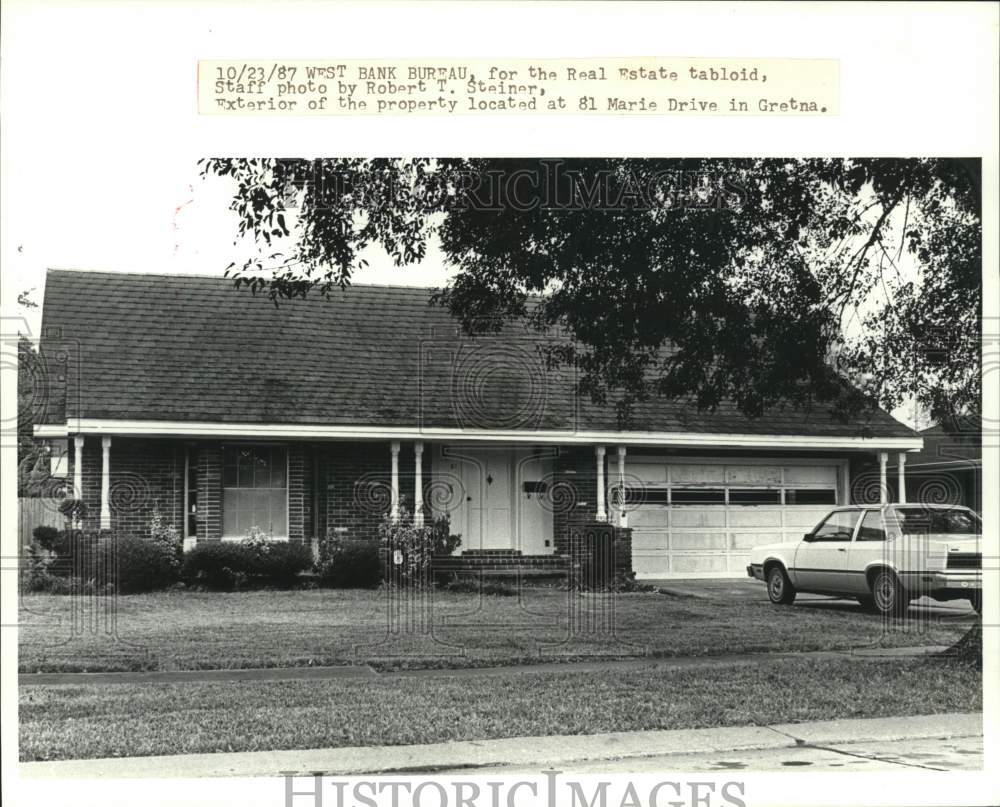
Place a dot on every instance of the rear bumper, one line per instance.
(951, 584)
(756, 571)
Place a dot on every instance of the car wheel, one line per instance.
(888, 596)
(780, 590)
(976, 598)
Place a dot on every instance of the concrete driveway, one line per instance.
(743, 588)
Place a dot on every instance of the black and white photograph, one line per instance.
(467, 475)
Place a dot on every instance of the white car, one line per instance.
(884, 556)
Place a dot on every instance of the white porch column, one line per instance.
(105, 483)
(602, 513)
(394, 482)
(77, 473)
(883, 485)
(902, 478)
(622, 514)
(418, 484)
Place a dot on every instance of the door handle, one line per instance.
(841, 548)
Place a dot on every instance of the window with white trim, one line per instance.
(254, 490)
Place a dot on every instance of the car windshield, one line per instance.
(926, 520)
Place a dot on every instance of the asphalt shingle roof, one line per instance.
(186, 348)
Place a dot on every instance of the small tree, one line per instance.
(410, 549)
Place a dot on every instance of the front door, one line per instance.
(821, 564)
(484, 515)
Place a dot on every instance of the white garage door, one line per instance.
(700, 519)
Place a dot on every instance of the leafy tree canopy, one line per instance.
(762, 281)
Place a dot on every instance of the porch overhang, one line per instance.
(303, 431)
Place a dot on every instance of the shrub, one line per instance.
(444, 542)
(78, 552)
(414, 547)
(349, 563)
(217, 565)
(225, 565)
(137, 564)
(35, 569)
(167, 540)
(46, 537)
(281, 564)
(474, 585)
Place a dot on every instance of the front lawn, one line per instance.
(191, 630)
(77, 722)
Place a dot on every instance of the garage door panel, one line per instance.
(737, 562)
(811, 475)
(697, 540)
(754, 517)
(649, 540)
(655, 474)
(753, 474)
(748, 540)
(807, 517)
(697, 474)
(650, 516)
(651, 563)
(698, 563)
(689, 517)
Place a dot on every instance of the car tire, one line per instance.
(867, 603)
(976, 599)
(889, 598)
(780, 590)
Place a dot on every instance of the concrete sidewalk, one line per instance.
(363, 671)
(669, 750)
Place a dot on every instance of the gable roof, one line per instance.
(191, 348)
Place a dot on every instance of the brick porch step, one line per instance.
(493, 564)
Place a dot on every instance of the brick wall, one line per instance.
(354, 486)
(209, 517)
(574, 494)
(144, 474)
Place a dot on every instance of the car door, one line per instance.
(821, 562)
(868, 547)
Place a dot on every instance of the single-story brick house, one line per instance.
(321, 416)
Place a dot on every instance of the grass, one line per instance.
(79, 722)
(190, 630)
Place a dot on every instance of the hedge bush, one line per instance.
(350, 563)
(226, 565)
(281, 563)
(136, 564)
(217, 565)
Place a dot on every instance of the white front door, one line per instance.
(483, 516)
(502, 503)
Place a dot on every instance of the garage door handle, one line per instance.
(841, 548)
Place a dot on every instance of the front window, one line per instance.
(254, 490)
(927, 520)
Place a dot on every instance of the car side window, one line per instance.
(872, 528)
(838, 526)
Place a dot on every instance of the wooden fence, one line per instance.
(34, 513)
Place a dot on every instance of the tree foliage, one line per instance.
(764, 282)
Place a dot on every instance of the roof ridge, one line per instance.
(128, 273)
